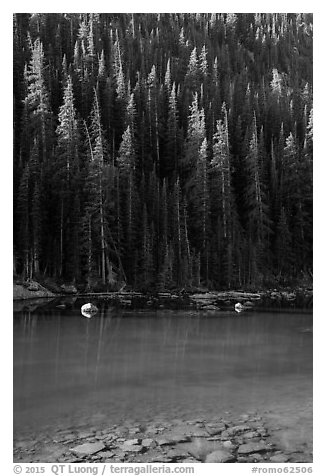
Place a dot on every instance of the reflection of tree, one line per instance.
(99, 343)
(57, 348)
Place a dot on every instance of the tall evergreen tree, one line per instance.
(37, 102)
(96, 187)
(126, 164)
(258, 222)
(172, 149)
(67, 170)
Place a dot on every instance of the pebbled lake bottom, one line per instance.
(142, 366)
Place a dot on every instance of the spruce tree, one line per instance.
(96, 187)
(126, 164)
(67, 172)
(172, 149)
(23, 213)
(223, 203)
(37, 102)
(258, 222)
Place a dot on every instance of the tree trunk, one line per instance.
(102, 236)
(89, 253)
(61, 240)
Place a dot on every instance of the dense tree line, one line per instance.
(163, 150)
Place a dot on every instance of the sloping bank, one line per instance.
(30, 290)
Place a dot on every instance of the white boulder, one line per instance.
(88, 310)
(239, 307)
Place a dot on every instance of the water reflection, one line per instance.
(140, 363)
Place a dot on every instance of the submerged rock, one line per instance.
(134, 431)
(255, 458)
(215, 430)
(251, 434)
(132, 448)
(262, 431)
(176, 454)
(253, 447)
(200, 433)
(88, 449)
(220, 456)
(189, 460)
(229, 445)
(244, 417)
(234, 430)
(279, 458)
(147, 442)
(85, 434)
(199, 448)
(172, 440)
(134, 441)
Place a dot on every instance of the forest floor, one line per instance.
(246, 438)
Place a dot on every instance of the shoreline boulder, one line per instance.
(88, 309)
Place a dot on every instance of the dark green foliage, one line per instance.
(163, 150)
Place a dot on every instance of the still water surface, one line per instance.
(140, 365)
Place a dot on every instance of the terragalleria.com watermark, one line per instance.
(136, 470)
(151, 469)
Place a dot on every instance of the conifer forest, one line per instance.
(164, 151)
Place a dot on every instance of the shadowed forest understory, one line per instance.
(163, 150)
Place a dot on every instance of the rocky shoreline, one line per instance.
(245, 439)
(31, 290)
(208, 301)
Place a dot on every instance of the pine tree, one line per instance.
(176, 234)
(167, 78)
(203, 63)
(23, 212)
(126, 164)
(152, 108)
(192, 75)
(37, 228)
(172, 150)
(297, 198)
(220, 170)
(283, 251)
(67, 170)
(194, 139)
(258, 222)
(146, 265)
(201, 208)
(96, 186)
(37, 102)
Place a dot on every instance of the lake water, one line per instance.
(140, 365)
